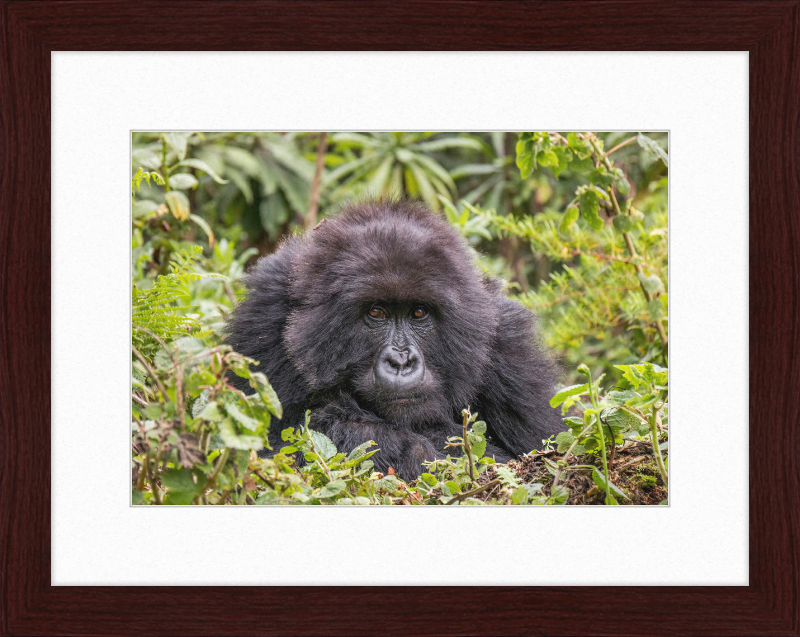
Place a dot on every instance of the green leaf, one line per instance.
(655, 309)
(601, 177)
(623, 223)
(182, 181)
(146, 159)
(232, 439)
(559, 494)
(258, 381)
(507, 476)
(154, 411)
(206, 228)
(360, 451)
(570, 217)
(652, 147)
(600, 480)
(478, 447)
(590, 207)
(323, 444)
(178, 204)
(652, 283)
(619, 419)
(332, 488)
(561, 166)
(143, 207)
(479, 427)
(430, 479)
(243, 419)
(564, 440)
(624, 186)
(453, 486)
(621, 397)
(546, 157)
(178, 143)
(572, 390)
(182, 486)
(520, 495)
(581, 165)
(201, 165)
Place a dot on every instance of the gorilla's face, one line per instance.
(389, 308)
(398, 382)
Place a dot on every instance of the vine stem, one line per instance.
(602, 438)
(466, 445)
(656, 449)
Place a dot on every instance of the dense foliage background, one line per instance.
(576, 223)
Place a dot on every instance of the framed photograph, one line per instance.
(78, 77)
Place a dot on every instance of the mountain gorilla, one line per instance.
(380, 323)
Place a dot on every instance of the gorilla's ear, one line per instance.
(322, 344)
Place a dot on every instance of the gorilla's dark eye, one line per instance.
(419, 313)
(377, 313)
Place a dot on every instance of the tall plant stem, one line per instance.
(593, 397)
(466, 445)
(656, 449)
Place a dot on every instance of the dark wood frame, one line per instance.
(769, 30)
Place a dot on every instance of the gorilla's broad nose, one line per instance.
(400, 367)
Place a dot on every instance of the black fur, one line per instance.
(307, 320)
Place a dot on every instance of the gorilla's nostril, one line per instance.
(399, 366)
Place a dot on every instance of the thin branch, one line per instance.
(313, 198)
(468, 494)
(622, 145)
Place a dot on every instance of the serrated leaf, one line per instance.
(590, 206)
(479, 427)
(507, 476)
(620, 397)
(572, 390)
(564, 440)
(323, 444)
(478, 448)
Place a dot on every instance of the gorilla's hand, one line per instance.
(400, 448)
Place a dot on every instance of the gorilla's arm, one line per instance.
(256, 330)
(514, 398)
(348, 426)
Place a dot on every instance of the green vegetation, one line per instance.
(576, 223)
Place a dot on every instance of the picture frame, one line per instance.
(31, 29)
